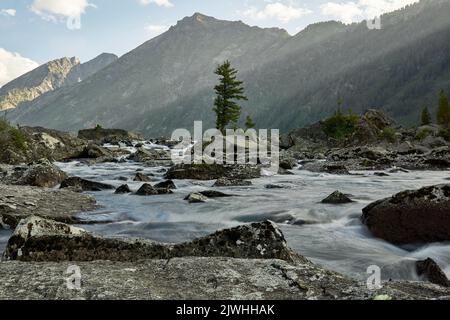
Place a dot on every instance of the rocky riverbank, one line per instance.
(42, 203)
(248, 262)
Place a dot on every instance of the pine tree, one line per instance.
(426, 117)
(443, 115)
(249, 124)
(229, 90)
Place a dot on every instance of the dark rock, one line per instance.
(147, 190)
(85, 185)
(225, 182)
(288, 163)
(275, 186)
(123, 189)
(214, 194)
(282, 171)
(337, 198)
(140, 177)
(107, 135)
(168, 184)
(122, 178)
(335, 169)
(381, 174)
(213, 172)
(431, 271)
(419, 216)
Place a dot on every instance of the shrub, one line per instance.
(341, 125)
(423, 133)
(445, 133)
(10, 136)
(388, 134)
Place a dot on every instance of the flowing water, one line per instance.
(336, 240)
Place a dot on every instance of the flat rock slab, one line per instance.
(195, 278)
(18, 202)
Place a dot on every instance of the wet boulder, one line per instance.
(40, 174)
(140, 177)
(225, 182)
(123, 189)
(430, 270)
(147, 190)
(416, 216)
(337, 197)
(196, 197)
(144, 155)
(84, 185)
(214, 194)
(213, 172)
(167, 184)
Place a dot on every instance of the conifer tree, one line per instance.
(426, 117)
(443, 114)
(228, 91)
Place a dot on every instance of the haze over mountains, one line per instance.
(291, 81)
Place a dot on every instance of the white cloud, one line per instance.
(279, 11)
(13, 65)
(159, 3)
(351, 11)
(54, 9)
(155, 30)
(8, 12)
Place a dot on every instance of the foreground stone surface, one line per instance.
(195, 278)
(19, 202)
(37, 239)
(418, 216)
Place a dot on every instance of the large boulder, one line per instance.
(84, 185)
(419, 216)
(37, 239)
(337, 198)
(107, 135)
(225, 182)
(430, 270)
(213, 172)
(145, 155)
(39, 174)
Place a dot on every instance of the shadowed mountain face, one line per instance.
(290, 80)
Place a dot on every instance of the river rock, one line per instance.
(145, 155)
(85, 185)
(214, 194)
(123, 189)
(142, 177)
(431, 271)
(337, 198)
(147, 190)
(40, 174)
(225, 182)
(213, 172)
(196, 197)
(418, 216)
(168, 184)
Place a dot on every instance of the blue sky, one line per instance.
(35, 31)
